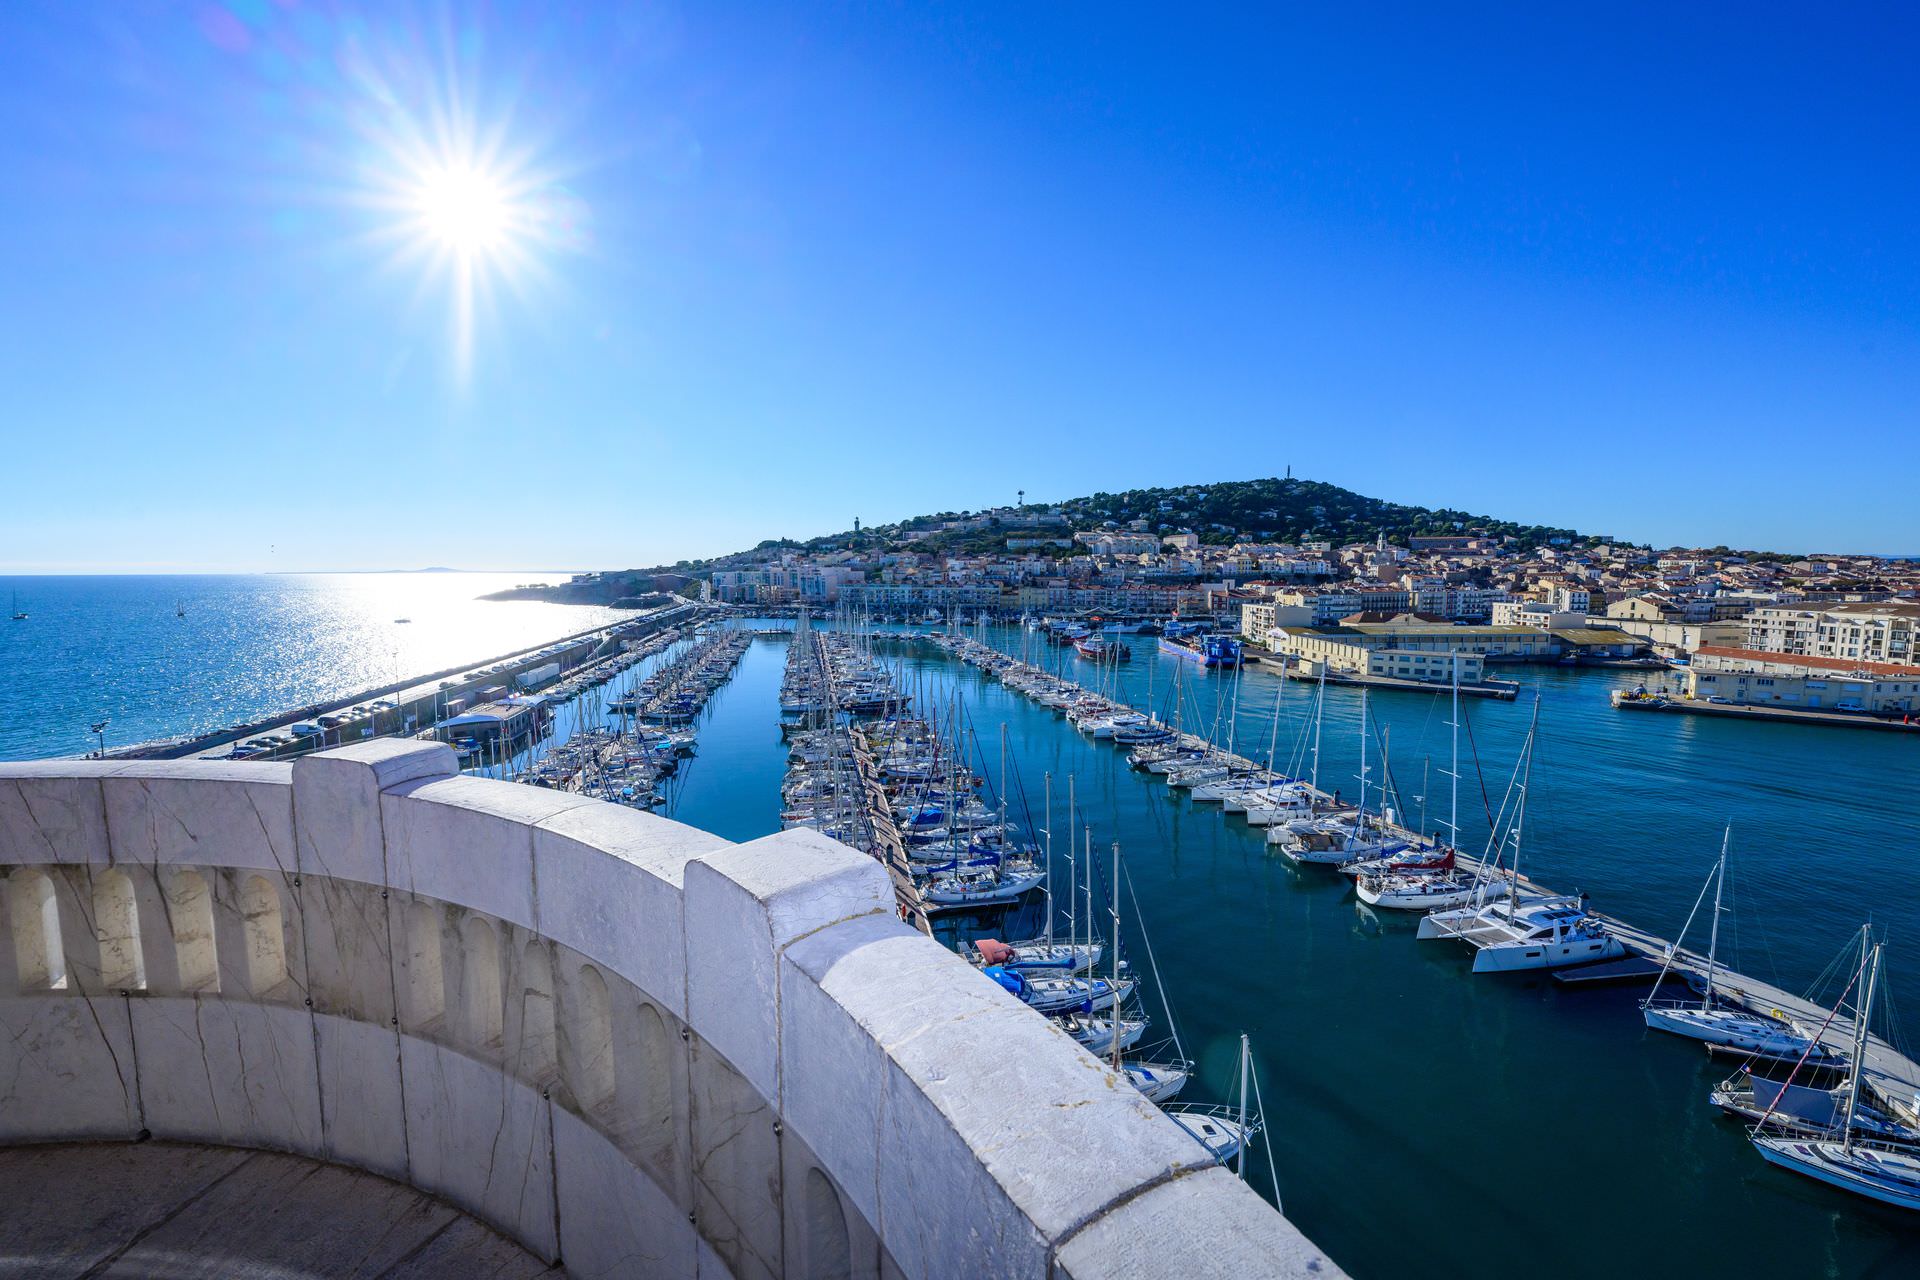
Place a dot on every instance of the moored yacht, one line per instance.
(1530, 933)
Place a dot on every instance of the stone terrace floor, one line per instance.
(166, 1210)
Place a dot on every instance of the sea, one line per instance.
(1422, 1120)
(156, 656)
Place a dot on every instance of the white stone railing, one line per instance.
(629, 1045)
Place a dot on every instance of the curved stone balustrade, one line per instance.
(631, 1046)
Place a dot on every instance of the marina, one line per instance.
(1233, 921)
(1890, 1075)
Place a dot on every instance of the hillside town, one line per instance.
(1834, 632)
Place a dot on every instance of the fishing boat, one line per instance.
(1878, 1171)
(1206, 650)
(1098, 649)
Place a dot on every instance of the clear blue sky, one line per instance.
(1649, 271)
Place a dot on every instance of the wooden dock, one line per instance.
(889, 846)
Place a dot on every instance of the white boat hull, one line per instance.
(1514, 957)
(1731, 1029)
(1889, 1177)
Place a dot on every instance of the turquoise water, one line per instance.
(1426, 1121)
(249, 645)
(1431, 1122)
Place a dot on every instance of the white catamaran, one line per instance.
(1527, 931)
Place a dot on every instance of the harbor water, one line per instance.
(1425, 1121)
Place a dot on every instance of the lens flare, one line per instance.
(464, 209)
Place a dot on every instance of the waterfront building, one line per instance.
(1868, 631)
(1535, 613)
(1761, 678)
(1345, 647)
(628, 1046)
(1680, 638)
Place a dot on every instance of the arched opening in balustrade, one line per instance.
(190, 917)
(38, 955)
(538, 1036)
(481, 1003)
(426, 991)
(828, 1255)
(650, 1111)
(587, 1041)
(116, 927)
(266, 935)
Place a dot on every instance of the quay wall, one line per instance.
(629, 1045)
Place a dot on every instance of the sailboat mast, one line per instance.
(1073, 875)
(1872, 966)
(1319, 713)
(1048, 875)
(1713, 937)
(1240, 1155)
(1115, 936)
(1453, 814)
(1089, 900)
(1360, 816)
(1520, 810)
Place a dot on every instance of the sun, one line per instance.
(464, 209)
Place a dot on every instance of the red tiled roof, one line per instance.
(1849, 666)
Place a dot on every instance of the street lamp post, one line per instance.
(99, 731)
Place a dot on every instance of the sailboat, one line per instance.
(1334, 842)
(1224, 1131)
(1722, 1025)
(1159, 1082)
(1538, 931)
(1416, 881)
(1889, 1174)
(19, 614)
(179, 609)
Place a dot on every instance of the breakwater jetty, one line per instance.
(407, 706)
